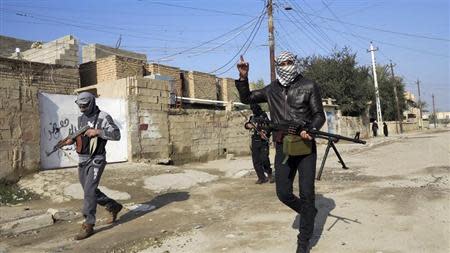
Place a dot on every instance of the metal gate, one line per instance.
(59, 117)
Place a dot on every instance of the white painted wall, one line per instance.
(59, 116)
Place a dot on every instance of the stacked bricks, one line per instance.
(62, 51)
(148, 122)
(201, 85)
(48, 78)
(95, 52)
(20, 83)
(110, 68)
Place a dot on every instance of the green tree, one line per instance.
(258, 85)
(340, 78)
(387, 96)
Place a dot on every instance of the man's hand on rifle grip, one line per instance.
(67, 142)
(305, 136)
(92, 132)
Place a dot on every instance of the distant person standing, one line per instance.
(374, 128)
(385, 129)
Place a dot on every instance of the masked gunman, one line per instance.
(260, 145)
(291, 98)
(92, 160)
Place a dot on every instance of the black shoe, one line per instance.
(113, 212)
(262, 181)
(302, 247)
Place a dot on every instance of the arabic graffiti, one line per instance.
(55, 129)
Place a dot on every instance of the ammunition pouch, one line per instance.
(294, 145)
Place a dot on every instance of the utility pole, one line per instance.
(377, 93)
(434, 112)
(420, 105)
(271, 42)
(399, 117)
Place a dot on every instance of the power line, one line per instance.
(312, 24)
(209, 41)
(388, 43)
(246, 45)
(311, 38)
(200, 9)
(379, 29)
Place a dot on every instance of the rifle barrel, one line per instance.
(326, 135)
(317, 133)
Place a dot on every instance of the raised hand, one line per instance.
(243, 68)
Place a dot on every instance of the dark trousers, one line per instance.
(260, 157)
(284, 179)
(89, 174)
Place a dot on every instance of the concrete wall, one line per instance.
(8, 45)
(407, 127)
(201, 135)
(20, 83)
(94, 52)
(348, 126)
(62, 51)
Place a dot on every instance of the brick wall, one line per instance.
(201, 135)
(228, 91)
(109, 69)
(20, 83)
(201, 85)
(172, 72)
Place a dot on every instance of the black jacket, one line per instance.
(300, 101)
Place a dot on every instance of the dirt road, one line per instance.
(394, 198)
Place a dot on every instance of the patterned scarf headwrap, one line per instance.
(287, 74)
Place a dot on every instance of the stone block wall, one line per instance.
(62, 51)
(20, 83)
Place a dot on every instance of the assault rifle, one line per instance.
(60, 143)
(298, 127)
(254, 123)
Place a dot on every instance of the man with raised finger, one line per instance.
(291, 98)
